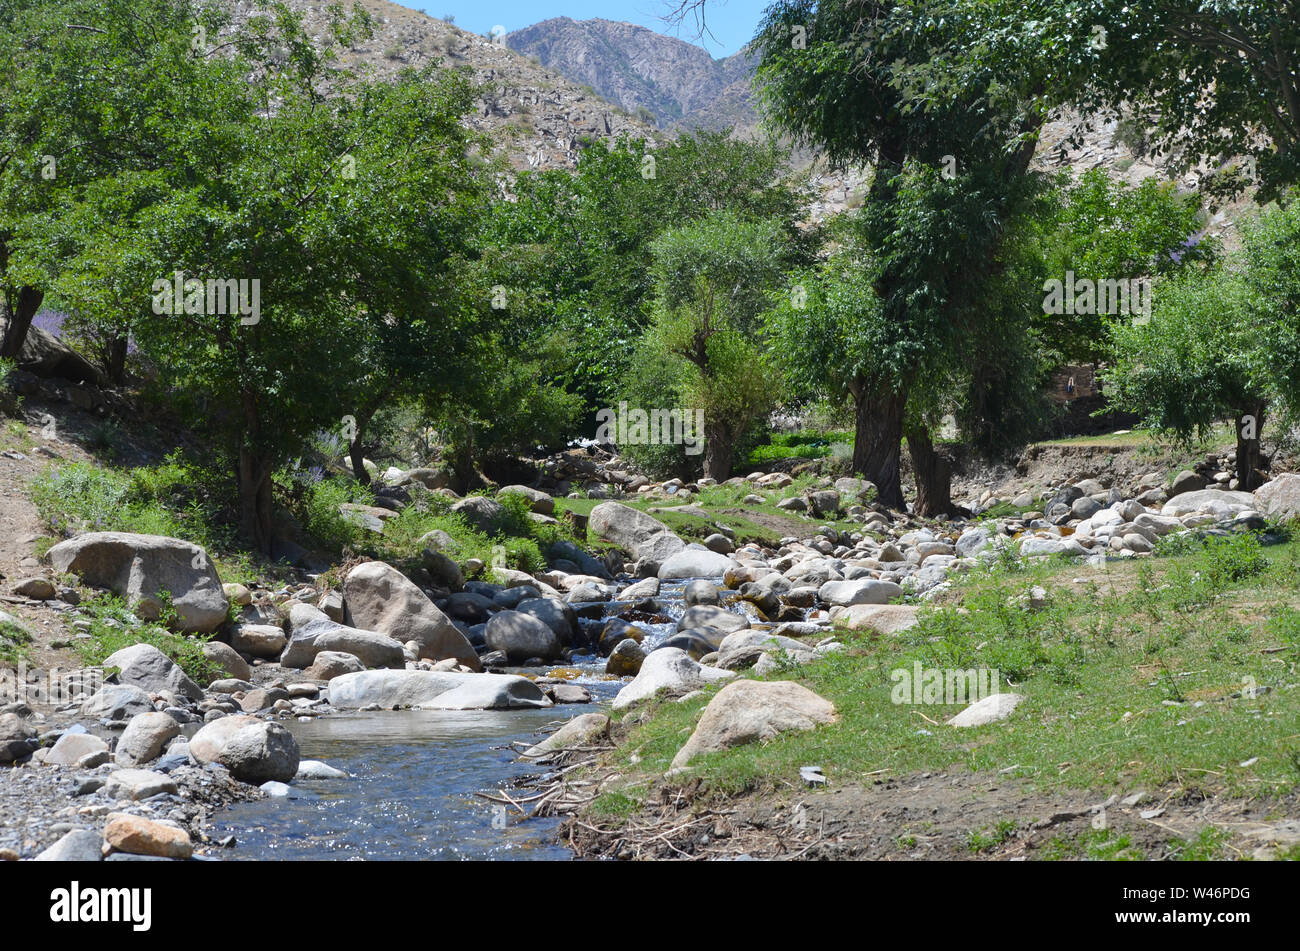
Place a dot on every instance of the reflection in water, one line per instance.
(411, 792)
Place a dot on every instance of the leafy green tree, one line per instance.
(1223, 343)
(951, 149)
(713, 279)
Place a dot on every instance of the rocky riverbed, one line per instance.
(133, 758)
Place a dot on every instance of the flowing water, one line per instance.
(414, 774)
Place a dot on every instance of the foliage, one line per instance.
(113, 627)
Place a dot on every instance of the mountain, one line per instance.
(534, 114)
(677, 83)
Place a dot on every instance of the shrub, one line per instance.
(113, 627)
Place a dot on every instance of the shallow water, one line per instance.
(413, 778)
(411, 792)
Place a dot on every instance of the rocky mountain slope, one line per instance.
(678, 83)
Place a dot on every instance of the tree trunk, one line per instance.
(461, 462)
(719, 444)
(115, 359)
(1249, 425)
(933, 474)
(20, 320)
(878, 431)
(255, 522)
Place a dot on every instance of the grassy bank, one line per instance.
(1177, 670)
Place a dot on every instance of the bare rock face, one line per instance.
(380, 598)
(146, 667)
(144, 568)
(750, 711)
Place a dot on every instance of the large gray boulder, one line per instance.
(538, 501)
(144, 738)
(861, 591)
(143, 568)
(146, 667)
(321, 634)
(558, 615)
(481, 513)
(670, 669)
(255, 751)
(521, 636)
(695, 561)
(78, 845)
(1280, 497)
(1218, 502)
(751, 711)
(711, 616)
(623, 525)
(378, 597)
(416, 688)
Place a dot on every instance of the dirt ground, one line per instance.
(932, 816)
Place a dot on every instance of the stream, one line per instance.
(414, 773)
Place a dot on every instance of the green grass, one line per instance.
(725, 506)
(1096, 667)
(15, 643)
(113, 627)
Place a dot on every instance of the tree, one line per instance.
(336, 208)
(1221, 343)
(712, 281)
(885, 85)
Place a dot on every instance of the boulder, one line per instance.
(859, 591)
(380, 598)
(658, 548)
(538, 501)
(414, 688)
(144, 738)
(259, 640)
(146, 667)
(622, 525)
(71, 747)
(370, 647)
(558, 615)
(142, 568)
(1217, 502)
(877, 618)
(751, 711)
(117, 702)
(745, 647)
(489, 692)
(330, 664)
(695, 561)
(669, 669)
(481, 513)
(140, 836)
(711, 616)
(79, 845)
(625, 659)
(137, 784)
(1280, 497)
(17, 739)
(255, 751)
(521, 636)
(227, 659)
(1186, 481)
(585, 730)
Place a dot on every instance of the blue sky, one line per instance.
(732, 22)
